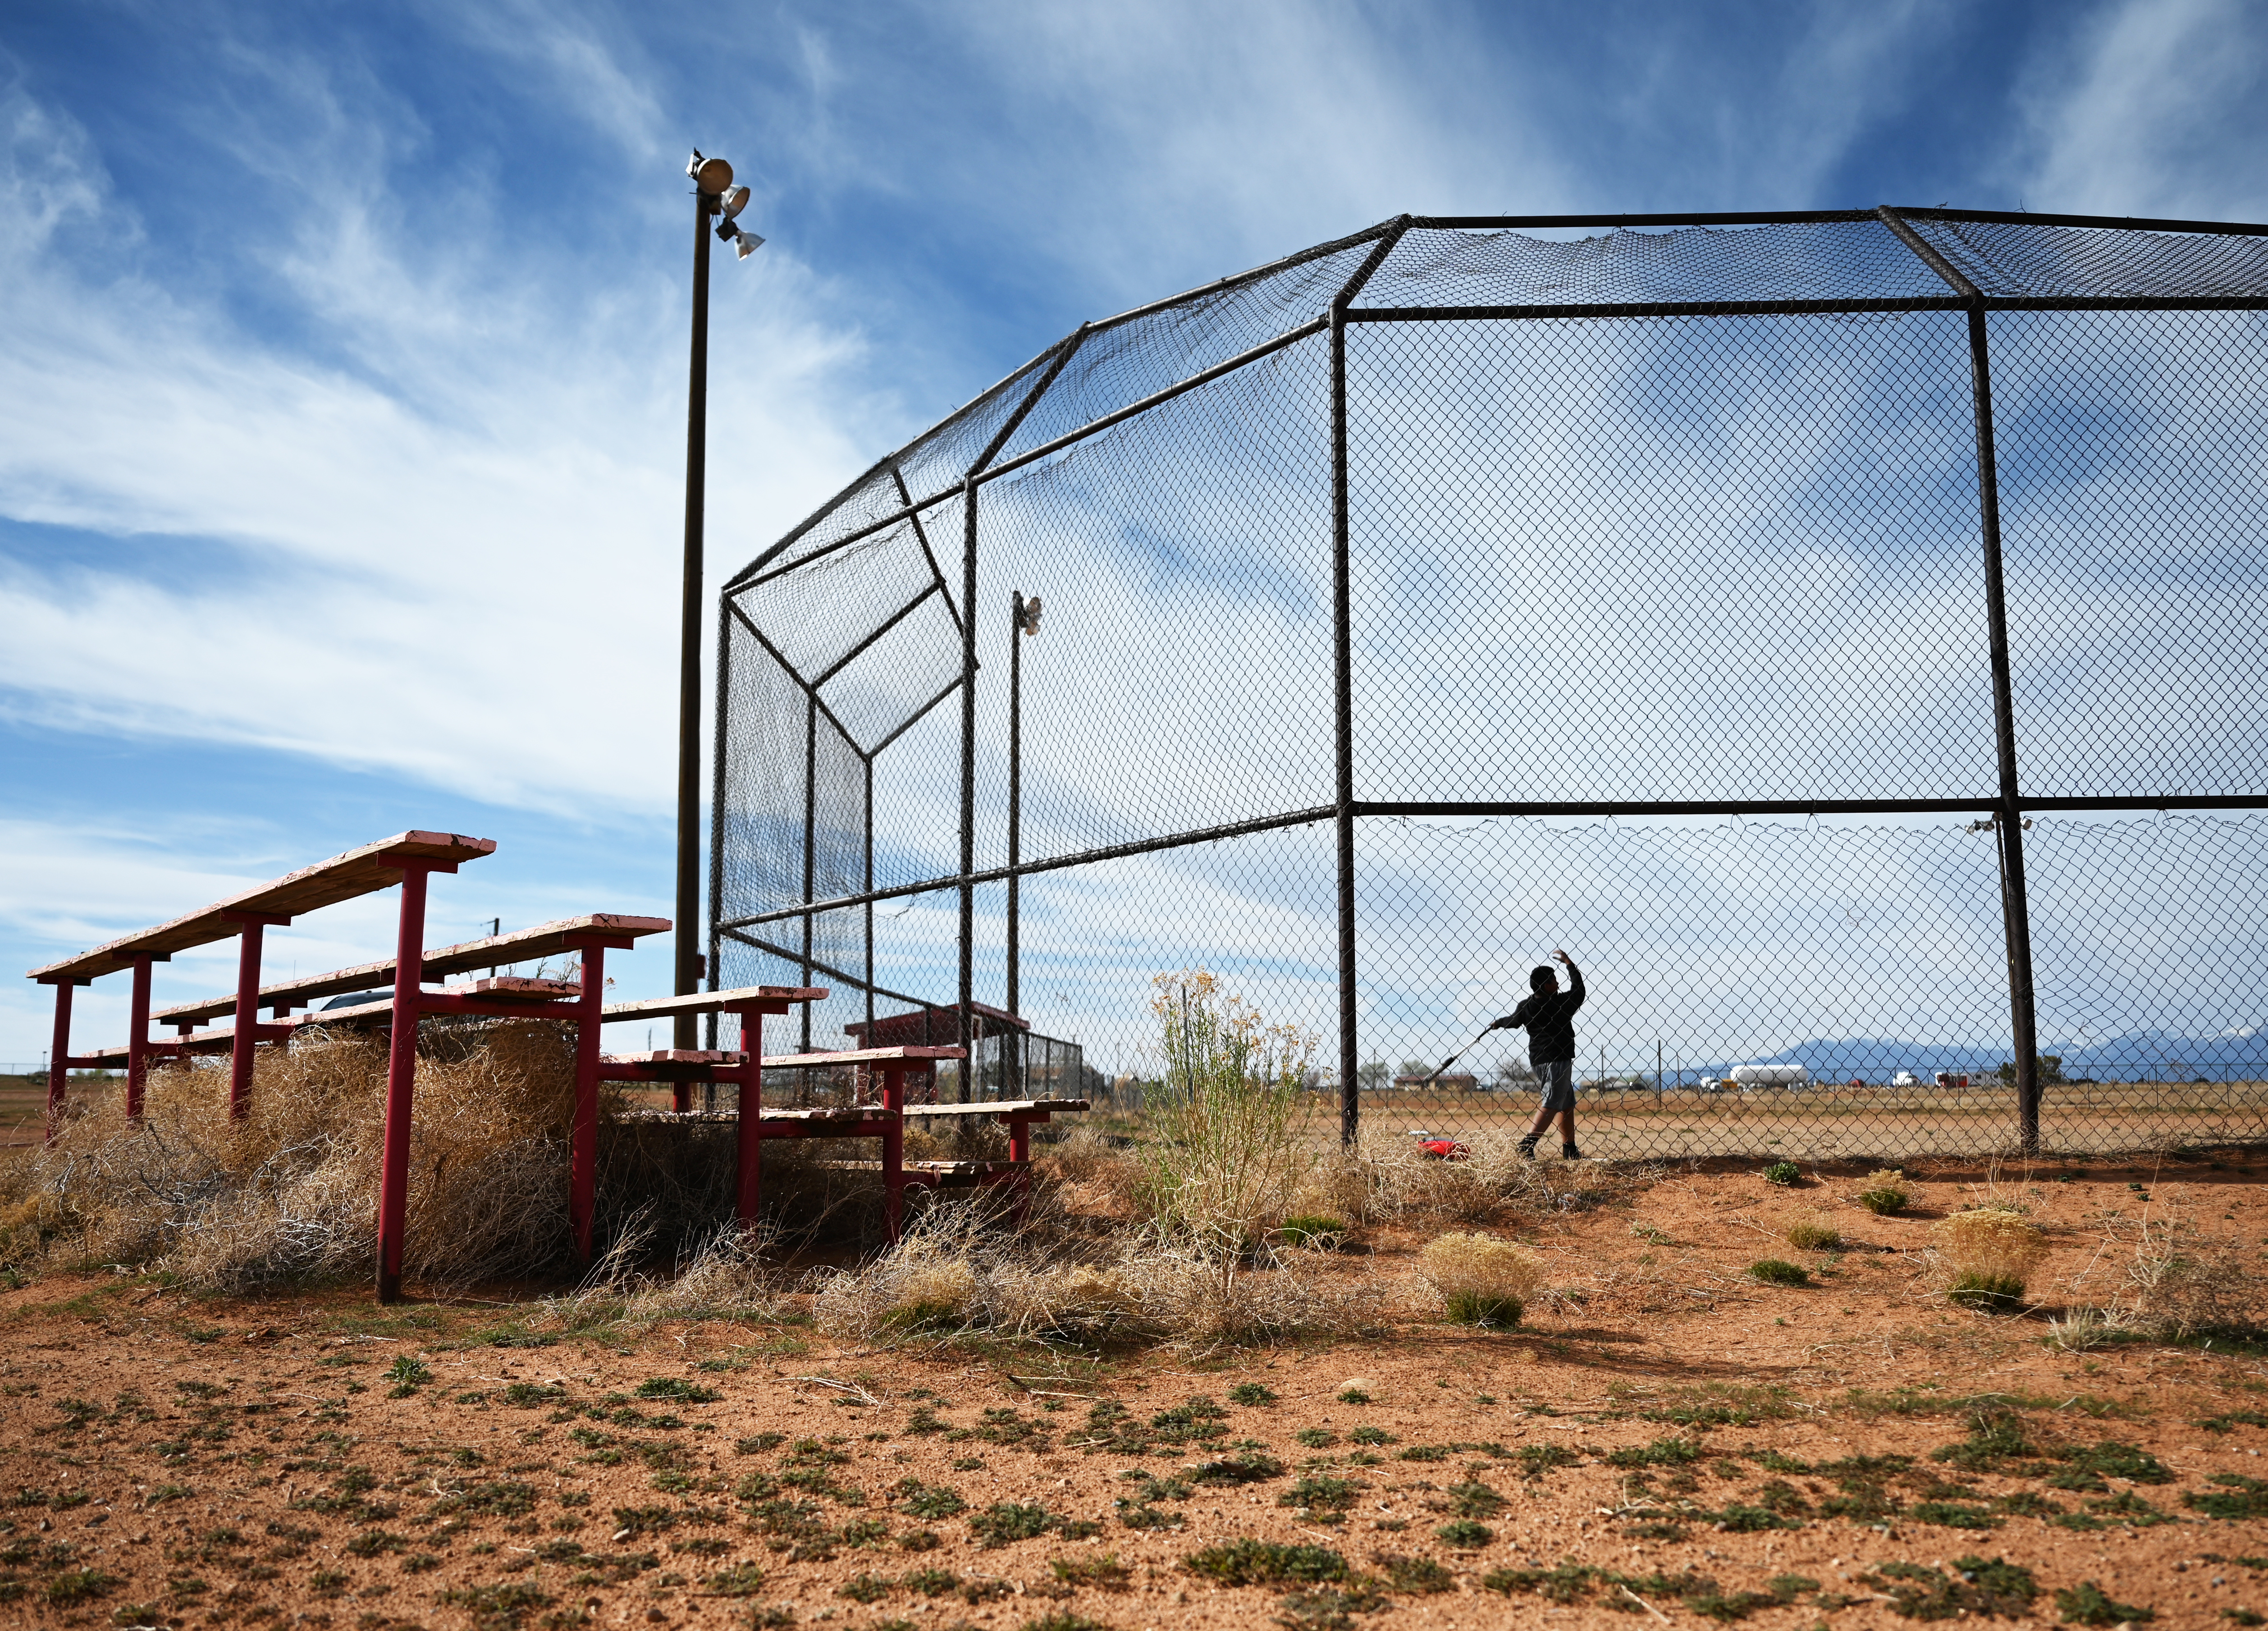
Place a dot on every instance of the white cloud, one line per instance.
(450, 553)
(2154, 107)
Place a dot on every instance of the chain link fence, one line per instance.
(1839, 632)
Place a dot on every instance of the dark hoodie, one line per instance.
(1548, 1018)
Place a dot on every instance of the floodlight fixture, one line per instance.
(1029, 622)
(733, 201)
(710, 175)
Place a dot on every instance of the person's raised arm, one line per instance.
(1575, 992)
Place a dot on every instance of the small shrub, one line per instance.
(678, 1389)
(1105, 1573)
(1783, 1174)
(1777, 1271)
(1006, 1521)
(1886, 1194)
(1420, 1577)
(1266, 1563)
(1988, 1254)
(1813, 1234)
(77, 1586)
(1324, 1234)
(1320, 1491)
(407, 1374)
(1465, 1534)
(1482, 1281)
(2079, 1330)
(1063, 1620)
(2086, 1604)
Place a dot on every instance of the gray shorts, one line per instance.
(1557, 1078)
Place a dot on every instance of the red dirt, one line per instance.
(265, 1440)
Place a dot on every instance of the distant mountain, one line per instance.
(2148, 1054)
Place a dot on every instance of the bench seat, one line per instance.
(363, 871)
(545, 939)
(999, 1107)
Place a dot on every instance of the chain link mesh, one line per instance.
(1610, 581)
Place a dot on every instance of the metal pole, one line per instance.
(717, 804)
(967, 984)
(2015, 910)
(1342, 733)
(869, 1038)
(810, 844)
(1015, 782)
(688, 934)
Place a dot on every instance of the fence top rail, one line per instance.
(363, 871)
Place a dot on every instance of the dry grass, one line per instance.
(1226, 1140)
(289, 1193)
(2180, 1284)
(961, 1271)
(1482, 1281)
(1987, 1256)
(1813, 1233)
(1885, 1193)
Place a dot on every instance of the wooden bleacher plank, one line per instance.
(672, 1056)
(713, 1001)
(545, 939)
(860, 1056)
(999, 1107)
(358, 872)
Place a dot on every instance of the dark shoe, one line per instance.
(1568, 1152)
(1528, 1149)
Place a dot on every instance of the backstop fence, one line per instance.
(1838, 630)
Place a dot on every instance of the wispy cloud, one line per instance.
(2154, 107)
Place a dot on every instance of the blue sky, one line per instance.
(342, 347)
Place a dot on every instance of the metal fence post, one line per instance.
(2008, 822)
(810, 847)
(2015, 904)
(1343, 688)
(966, 988)
(1343, 737)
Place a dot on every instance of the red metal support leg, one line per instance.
(247, 1038)
(138, 1041)
(59, 1059)
(401, 1080)
(583, 1181)
(894, 1148)
(749, 1192)
(1019, 1152)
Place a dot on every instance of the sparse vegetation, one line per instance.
(1779, 1272)
(1885, 1193)
(1482, 1280)
(1813, 1234)
(1987, 1255)
(1783, 1174)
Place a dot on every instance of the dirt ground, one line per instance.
(1665, 1441)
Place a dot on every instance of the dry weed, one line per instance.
(959, 1270)
(289, 1192)
(1482, 1281)
(1227, 1141)
(2181, 1284)
(1987, 1255)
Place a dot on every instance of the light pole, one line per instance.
(1026, 623)
(713, 194)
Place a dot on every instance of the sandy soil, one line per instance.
(173, 1460)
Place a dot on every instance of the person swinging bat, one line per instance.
(1548, 1016)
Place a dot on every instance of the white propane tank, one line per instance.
(1771, 1075)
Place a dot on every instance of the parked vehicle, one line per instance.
(1771, 1076)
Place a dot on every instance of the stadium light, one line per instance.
(713, 195)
